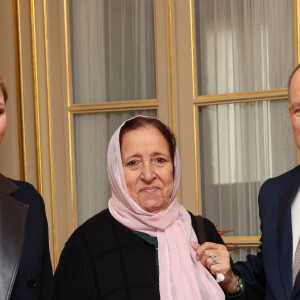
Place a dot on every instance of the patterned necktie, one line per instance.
(296, 264)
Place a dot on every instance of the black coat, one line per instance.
(105, 260)
(270, 271)
(25, 266)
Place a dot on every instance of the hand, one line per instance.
(204, 254)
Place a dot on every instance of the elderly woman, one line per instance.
(25, 266)
(144, 245)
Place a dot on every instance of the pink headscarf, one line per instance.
(181, 276)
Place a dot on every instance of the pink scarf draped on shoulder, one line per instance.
(181, 277)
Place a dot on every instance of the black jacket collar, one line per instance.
(13, 215)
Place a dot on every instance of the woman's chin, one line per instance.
(153, 208)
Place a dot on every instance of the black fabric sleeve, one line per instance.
(252, 270)
(70, 278)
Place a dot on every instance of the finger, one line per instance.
(223, 268)
(210, 246)
(206, 257)
(194, 245)
(208, 263)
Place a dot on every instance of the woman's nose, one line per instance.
(147, 171)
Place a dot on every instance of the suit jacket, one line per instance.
(270, 271)
(25, 266)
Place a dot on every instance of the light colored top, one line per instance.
(296, 221)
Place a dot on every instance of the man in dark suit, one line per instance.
(273, 272)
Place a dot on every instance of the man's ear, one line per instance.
(290, 111)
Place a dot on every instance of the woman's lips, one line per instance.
(150, 189)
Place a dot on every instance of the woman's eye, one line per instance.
(2, 111)
(132, 163)
(160, 160)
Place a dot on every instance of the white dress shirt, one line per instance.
(296, 221)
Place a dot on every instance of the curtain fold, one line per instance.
(113, 50)
(242, 145)
(243, 45)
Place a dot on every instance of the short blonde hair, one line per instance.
(3, 87)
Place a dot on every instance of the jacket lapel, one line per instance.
(13, 216)
(285, 237)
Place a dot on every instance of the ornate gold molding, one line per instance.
(241, 97)
(70, 117)
(49, 116)
(197, 161)
(19, 92)
(36, 97)
(296, 27)
(170, 43)
(243, 241)
(193, 47)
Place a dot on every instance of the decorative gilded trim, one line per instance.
(69, 116)
(50, 132)
(170, 40)
(192, 25)
(242, 97)
(198, 198)
(296, 29)
(36, 97)
(243, 241)
(112, 104)
(19, 92)
(84, 111)
(242, 238)
(96, 107)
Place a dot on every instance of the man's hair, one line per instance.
(291, 77)
(3, 87)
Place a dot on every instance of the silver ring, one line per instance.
(214, 259)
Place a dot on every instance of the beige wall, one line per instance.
(9, 149)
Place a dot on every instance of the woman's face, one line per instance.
(2, 116)
(148, 168)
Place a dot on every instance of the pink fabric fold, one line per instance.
(181, 276)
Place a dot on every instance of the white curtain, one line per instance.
(113, 59)
(242, 46)
(242, 145)
(92, 135)
(113, 50)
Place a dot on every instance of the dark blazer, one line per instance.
(25, 266)
(270, 271)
